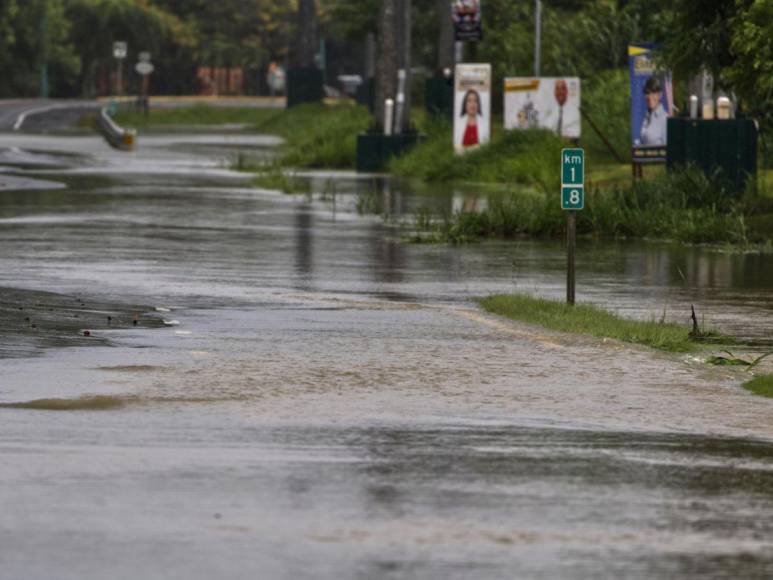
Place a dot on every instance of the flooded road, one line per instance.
(318, 399)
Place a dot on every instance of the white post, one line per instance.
(401, 76)
(389, 115)
(693, 106)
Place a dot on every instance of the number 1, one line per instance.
(572, 170)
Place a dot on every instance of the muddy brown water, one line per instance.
(321, 400)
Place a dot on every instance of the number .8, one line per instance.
(574, 197)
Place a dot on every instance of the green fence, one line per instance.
(726, 150)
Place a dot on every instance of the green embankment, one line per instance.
(760, 385)
(194, 115)
(587, 319)
(316, 136)
(685, 207)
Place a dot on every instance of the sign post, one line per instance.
(572, 199)
(144, 68)
(120, 49)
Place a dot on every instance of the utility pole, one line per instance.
(537, 36)
(386, 64)
(305, 83)
(44, 51)
(403, 119)
(307, 33)
(445, 52)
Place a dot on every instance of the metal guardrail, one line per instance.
(123, 139)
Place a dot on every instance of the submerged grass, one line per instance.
(272, 176)
(760, 385)
(85, 403)
(587, 319)
(683, 206)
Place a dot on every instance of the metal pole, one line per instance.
(44, 54)
(458, 52)
(571, 242)
(118, 80)
(537, 36)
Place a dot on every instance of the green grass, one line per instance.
(587, 319)
(515, 157)
(318, 136)
(760, 385)
(197, 114)
(272, 176)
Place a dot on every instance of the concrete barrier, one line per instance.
(123, 139)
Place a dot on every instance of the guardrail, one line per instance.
(123, 139)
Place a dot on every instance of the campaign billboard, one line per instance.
(472, 106)
(652, 102)
(551, 103)
(467, 21)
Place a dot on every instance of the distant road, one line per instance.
(40, 114)
(53, 114)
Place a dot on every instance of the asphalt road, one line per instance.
(42, 114)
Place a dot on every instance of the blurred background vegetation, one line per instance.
(72, 40)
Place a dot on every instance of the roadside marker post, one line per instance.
(572, 199)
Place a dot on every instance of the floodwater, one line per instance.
(303, 395)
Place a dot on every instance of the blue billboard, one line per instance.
(652, 102)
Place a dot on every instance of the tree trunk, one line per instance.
(445, 50)
(307, 33)
(386, 66)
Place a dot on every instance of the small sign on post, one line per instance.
(572, 199)
(572, 179)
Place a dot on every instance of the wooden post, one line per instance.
(571, 242)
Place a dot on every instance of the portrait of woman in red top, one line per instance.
(471, 110)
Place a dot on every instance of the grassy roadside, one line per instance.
(594, 321)
(587, 319)
(316, 136)
(193, 115)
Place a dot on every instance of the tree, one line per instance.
(701, 33)
(96, 24)
(751, 72)
(35, 34)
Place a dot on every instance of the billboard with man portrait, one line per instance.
(472, 106)
(652, 102)
(551, 103)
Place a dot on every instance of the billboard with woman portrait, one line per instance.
(472, 106)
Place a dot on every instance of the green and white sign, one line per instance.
(572, 179)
